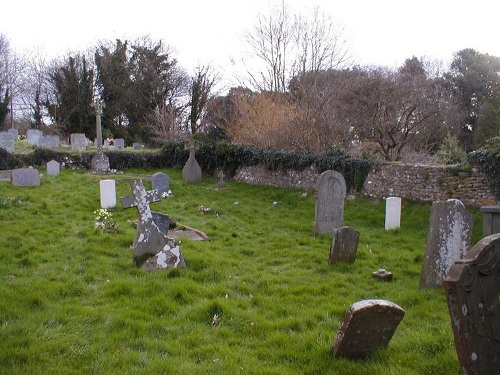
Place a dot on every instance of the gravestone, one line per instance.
(392, 213)
(78, 142)
(25, 177)
(108, 193)
(161, 182)
(149, 240)
(472, 289)
(330, 196)
(368, 325)
(491, 220)
(7, 141)
(221, 184)
(162, 221)
(120, 143)
(14, 132)
(49, 141)
(53, 168)
(136, 146)
(100, 161)
(33, 136)
(192, 171)
(344, 245)
(448, 240)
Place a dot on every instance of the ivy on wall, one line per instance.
(489, 161)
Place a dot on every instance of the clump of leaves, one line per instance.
(451, 152)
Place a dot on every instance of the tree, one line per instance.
(4, 81)
(201, 87)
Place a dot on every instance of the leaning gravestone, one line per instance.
(448, 240)
(108, 193)
(151, 249)
(120, 143)
(392, 213)
(344, 245)
(368, 325)
(7, 141)
(330, 196)
(78, 142)
(25, 177)
(33, 136)
(472, 289)
(53, 168)
(161, 182)
(192, 171)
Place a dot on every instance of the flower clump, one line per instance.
(104, 220)
(10, 201)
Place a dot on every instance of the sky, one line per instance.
(210, 32)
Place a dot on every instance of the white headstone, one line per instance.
(108, 193)
(53, 168)
(392, 213)
(33, 136)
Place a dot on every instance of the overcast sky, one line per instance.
(381, 32)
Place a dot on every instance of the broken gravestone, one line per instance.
(330, 196)
(448, 240)
(472, 289)
(152, 249)
(368, 325)
(344, 245)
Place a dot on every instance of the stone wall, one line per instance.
(415, 182)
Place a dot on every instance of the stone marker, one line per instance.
(330, 196)
(49, 141)
(108, 193)
(491, 220)
(7, 141)
(25, 177)
(33, 136)
(14, 132)
(382, 275)
(344, 245)
(192, 171)
(162, 221)
(136, 146)
(221, 184)
(149, 240)
(53, 168)
(392, 213)
(120, 143)
(448, 240)
(100, 161)
(161, 182)
(78, 142)
(368, 325)
(472, 289)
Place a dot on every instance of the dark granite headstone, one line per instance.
(161, 182)
(25, 177)
(472, 289)
(162, 221)
(448, 240)
(368, 325)
(491, 220)
(149, 240)
(330, 196)
(344, 245)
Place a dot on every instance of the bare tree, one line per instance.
(201, 88)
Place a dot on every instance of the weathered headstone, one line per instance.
(49, 141)
(33, 136)
(330, 196)
(448, 240)
(7, 141)
(136, 146)
(192, 171)
(100, 161)
(392, 213)
(491, 220)
(368, 325)
(162, 221)
(14, 132)
(161, 182)
(120, 143)
(25, 177)
(108, 193)
(53, 168)
(472, 289)
(221, 184)
(78, 142)
(344, 245)
(149, 240)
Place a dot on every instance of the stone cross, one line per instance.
(99, 106)
(192, 171)
(149, 240)
(99, 162)
(221, 184)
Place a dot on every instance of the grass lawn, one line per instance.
(258, 298)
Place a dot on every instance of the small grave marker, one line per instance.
(53, 168)
(25, 177)
(344, 245)
(330, 196)
(368, 325)
(161, 182)
(120, 143)
(108, 193)
(33, 136)
(392, 213)
(7, 141)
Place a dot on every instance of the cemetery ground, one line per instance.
(258, 298)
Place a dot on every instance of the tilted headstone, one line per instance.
(33, 136)
(25, 177)
(491, 220)
(192, 171)
(448, 240)
(7, 141)
(472, 289)
(78, 142)
(120, 143)
(49, 141)
(53, 168)
(161, 182)
(368, 325)
(392, 213)
(108, 193)
(149, 240)
(330, 196)
(344, 245)
(14, 132)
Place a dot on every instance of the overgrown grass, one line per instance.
(258, 298)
